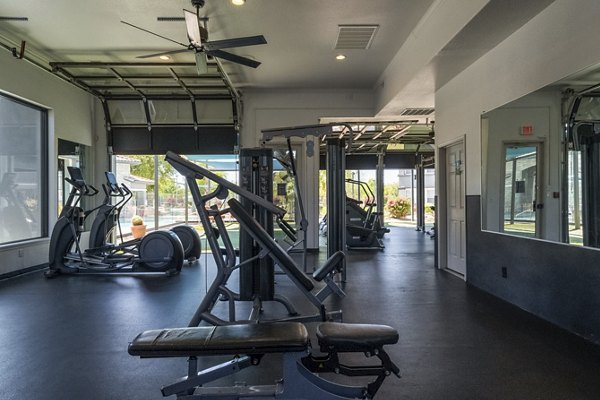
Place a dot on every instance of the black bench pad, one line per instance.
(354, 337)
(221, 340)
(331, 263)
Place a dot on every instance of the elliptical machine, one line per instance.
(157, 252)
(108, 218)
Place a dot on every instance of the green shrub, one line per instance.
(398, 207)
(429, 209)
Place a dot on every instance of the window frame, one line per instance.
(43, 166)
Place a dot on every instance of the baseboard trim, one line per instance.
(23, 271)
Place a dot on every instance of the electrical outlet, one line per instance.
(21, 253)
(504, 272)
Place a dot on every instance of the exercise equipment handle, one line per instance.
(125, 189)
(91, 190)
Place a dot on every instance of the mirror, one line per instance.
(541, 163)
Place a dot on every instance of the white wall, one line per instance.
(69, 118)
(407, 79)
(265, 109)
(558, 42)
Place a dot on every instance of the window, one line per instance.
(23, 172)
(160, 194)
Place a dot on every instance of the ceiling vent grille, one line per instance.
(170, 19)
(355, 36)
(417, 111)
(13, 18)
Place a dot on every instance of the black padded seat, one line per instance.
(331, 263)
(354, 337)
(355, 230)
(257, 232)
(221, 340)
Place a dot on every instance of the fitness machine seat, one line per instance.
(362, 238)
(332, 262)
(250, 339)
(354, 337)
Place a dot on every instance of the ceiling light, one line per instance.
(340, 57)
(164, 57)
(238, 2)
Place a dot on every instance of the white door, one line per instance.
(455, 201)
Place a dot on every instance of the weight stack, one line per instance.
(256, 176)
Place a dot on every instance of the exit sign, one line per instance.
(526, 130)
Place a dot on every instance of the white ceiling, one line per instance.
(301, 35)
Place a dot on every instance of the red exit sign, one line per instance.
(526, 130)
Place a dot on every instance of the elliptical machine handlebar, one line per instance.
(83, 189)
(125, 189)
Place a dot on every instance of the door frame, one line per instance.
(442, 207)
(539, 181)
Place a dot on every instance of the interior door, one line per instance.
(455, 202)
(523, 206)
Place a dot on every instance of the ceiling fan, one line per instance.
(202, 48)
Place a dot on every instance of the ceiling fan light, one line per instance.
(340, 57)
(164, 57)
(238, 2)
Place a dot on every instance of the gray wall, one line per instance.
(557, 282)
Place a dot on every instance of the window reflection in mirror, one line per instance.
(582, 168)
(520, 190)
(521, 167)
(541, 163)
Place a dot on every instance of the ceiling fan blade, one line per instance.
(235, 42)
(164, 53)
(233, 58)
(155, 34)
(193, 27)
(201, 63)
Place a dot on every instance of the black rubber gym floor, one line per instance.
(67, 338)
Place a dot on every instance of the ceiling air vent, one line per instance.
(13, 18)
(417, 111)
(355, 36)
(170, 19)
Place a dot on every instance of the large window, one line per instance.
(160, 194)
(23, 175)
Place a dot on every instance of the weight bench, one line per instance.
(248, 343)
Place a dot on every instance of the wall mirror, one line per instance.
(541, 163)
